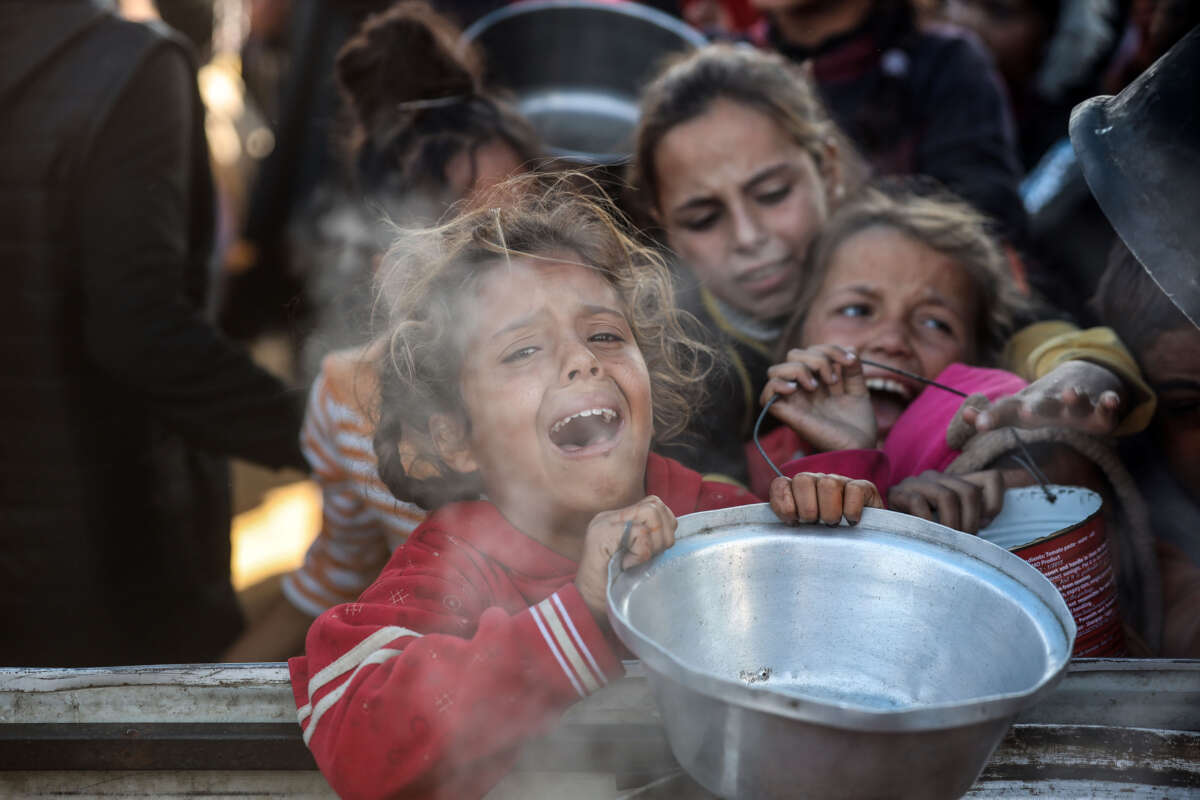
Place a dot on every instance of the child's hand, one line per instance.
(824, 398)
(812, 496)
(1076, 394)
(652, 532)
(963, 502)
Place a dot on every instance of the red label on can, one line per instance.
(1078, 562)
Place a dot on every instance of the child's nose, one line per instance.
(575, 373)
(891, 339)
(748, 232)
(580, 361)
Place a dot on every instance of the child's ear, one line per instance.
(449, 435)
(831, 174)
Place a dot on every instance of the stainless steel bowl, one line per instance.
(881, 660)
(577, 68)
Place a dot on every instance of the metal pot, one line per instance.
(885, 659)
(577, 68)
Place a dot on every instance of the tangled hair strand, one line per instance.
(428, 273)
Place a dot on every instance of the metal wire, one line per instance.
(912, 375)
(1025, 460)
(758, 444)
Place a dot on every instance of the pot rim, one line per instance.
(934, 716)
(634, 10)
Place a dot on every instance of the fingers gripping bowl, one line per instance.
(881, 660)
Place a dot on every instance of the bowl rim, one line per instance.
(934, 716)
(634, 10)
(652, 16)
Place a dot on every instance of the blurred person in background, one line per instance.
(1140, 154)
(1052, 54)
(122, 401)
(263, 291)
(423, 133)
(1166, 458)
(426, 135)
(915, 98)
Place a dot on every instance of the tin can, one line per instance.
(1066, 541)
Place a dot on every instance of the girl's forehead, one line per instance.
(519, 286)
(892, 262)
(728, 143)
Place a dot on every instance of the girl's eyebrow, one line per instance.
(766, 173)
(519, 322)
(528, 319)
(871, 291)
(604, 310)
(861, 288)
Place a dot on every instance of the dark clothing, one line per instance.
(119, 396)
(714, 443)
(922, 100)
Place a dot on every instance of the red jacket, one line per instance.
(472, 640)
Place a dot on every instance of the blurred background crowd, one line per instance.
(223, 174)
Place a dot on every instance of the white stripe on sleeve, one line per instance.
(378, 657)
(537, 618)
(356, 655)
(568, 647)
(562, 611)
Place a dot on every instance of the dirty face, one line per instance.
(556, 391)
(1171, 365)
(740, 202)
(899, 302)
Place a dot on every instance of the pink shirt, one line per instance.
(917, 442)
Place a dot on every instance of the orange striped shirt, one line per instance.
(361, 522)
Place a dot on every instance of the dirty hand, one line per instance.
(813, 496)
(824, 398)
(963, 502)
(653, 531)
(1076, 394)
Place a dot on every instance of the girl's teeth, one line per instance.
(607, 413)
(885, 385)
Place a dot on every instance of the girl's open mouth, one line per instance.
(889, 398)
(587, 429)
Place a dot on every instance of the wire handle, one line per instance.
(614, 563)
(758, 424)
(1025, 460)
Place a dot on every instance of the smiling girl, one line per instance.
(535, 356)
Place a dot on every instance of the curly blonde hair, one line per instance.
(427, 273)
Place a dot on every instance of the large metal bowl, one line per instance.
(577, 68)
(881, 660)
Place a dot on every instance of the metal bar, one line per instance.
(153, 746)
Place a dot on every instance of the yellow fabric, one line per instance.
(710, 305)
(735, 360)
(716, 477)
(1037, 349)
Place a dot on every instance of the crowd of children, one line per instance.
(544, 383)
(817, 287)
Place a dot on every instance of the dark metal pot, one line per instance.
(577, 68)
